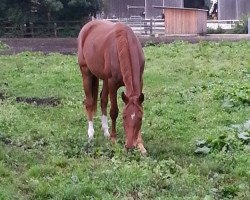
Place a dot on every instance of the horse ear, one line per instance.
(141, 98)
(124, 98)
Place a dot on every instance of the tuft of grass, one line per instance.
(3, 46)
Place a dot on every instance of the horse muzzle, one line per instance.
(130, 145)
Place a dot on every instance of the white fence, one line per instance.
(157, 27)
(144, 26)
(224, 24)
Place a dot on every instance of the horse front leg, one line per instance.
(140, 145)
(113, 110)
(104, 103)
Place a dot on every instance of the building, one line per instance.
(233, 9)
(143, 8)
(226, 9)
(123, 8)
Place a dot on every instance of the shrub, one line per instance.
(219, 30)
(242, 26)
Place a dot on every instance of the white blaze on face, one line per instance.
(133, 116)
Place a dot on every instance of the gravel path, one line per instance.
(69, 45)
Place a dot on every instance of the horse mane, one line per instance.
(124, 55)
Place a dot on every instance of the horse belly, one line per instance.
(96, 65)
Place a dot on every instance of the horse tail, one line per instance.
(124, 56)
(95, 86)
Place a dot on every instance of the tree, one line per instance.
(15, 10)
(51, 6)
(79, 9)
(20, 11)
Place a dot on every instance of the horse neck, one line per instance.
(129, 62)
(132, 82)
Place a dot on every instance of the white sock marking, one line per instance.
(105, 126)
(91, 131)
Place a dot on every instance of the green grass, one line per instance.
(3, 46)
(192, 92)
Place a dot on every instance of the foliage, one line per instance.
(21, 11)
(22, 14)
(242, 26)
(44, 152)
(219, 30)
(3, 46)
(231, 140)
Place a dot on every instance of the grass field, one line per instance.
(196, 128)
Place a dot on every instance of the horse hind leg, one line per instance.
(90, 85)
(104, 103)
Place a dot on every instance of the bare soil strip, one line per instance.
(69, 45)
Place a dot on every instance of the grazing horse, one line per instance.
(113, 53)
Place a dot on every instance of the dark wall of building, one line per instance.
(195, 4)
(243, 8)
(119, 8)
(152, 12)
(233, 9)
(174, 3)
(227, 9)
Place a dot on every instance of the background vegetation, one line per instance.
(195, 128)
(43, 14)
(22, 11)
(241, 27)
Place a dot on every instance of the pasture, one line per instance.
(195, 127)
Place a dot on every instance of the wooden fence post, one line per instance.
(151, 26)
(55, 29)
(249, 25)
(145, 24)
(24, 29)
(32, 29)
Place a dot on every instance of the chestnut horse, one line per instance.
(113, 53)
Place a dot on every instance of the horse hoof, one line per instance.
(142, 149)
(113, 140)
(90, 138)
(106, 134)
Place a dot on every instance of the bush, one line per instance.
(219, 30)
(241, 27)
(3, 46)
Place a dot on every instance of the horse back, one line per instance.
(98, 45)
(91, 37)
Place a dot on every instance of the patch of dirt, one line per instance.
(46, 101)
(5, 140)
(69, 45)
(2, 96)
(45, 45)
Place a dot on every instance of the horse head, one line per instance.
(132, 119)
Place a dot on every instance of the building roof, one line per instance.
(166, 7)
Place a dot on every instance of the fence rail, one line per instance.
(41, 29)
(71, 28)
(144, 26)
(224, 24)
